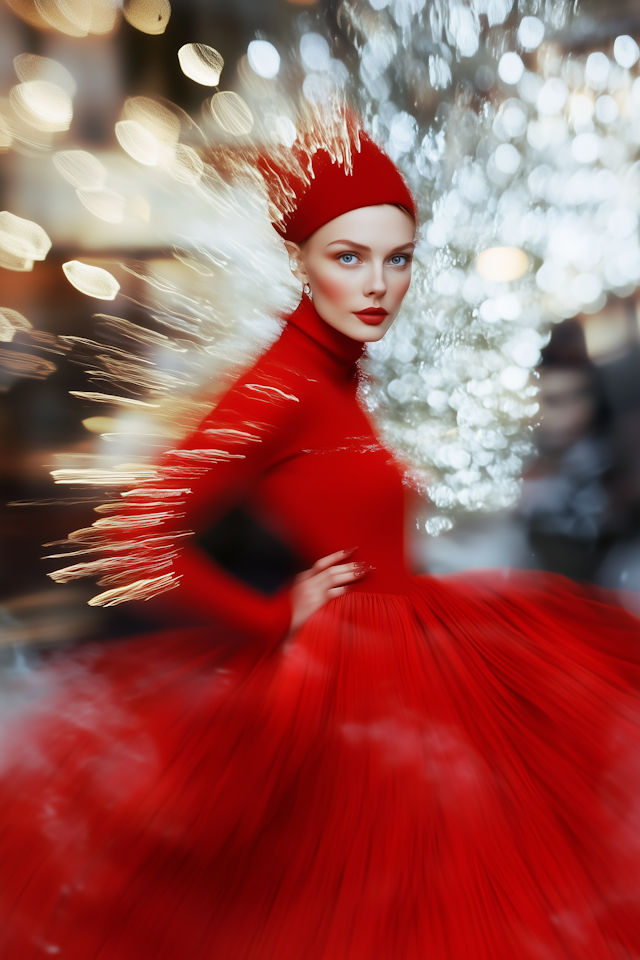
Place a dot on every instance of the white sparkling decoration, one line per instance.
(402, 133)
(315, 52)
(530, 216)
(586, 147)
(626, 51)
(552, 97)
(530, 33)
(507, 158)
(510, 68)
(263, 58)
(606, 109)
(597, 68)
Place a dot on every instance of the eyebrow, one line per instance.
(362, 246)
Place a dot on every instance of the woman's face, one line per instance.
(358, 267)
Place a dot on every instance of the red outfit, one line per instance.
(431, 769)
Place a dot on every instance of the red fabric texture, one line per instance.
(431, 769)
(333, 190)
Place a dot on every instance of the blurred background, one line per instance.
(577, 508)
(104, 62)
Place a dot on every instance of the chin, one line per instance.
(354, 328)
(373, 334)
(369, 334)
(363, 332)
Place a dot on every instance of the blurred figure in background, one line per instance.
(565, 522)
(620, 569)
(565, 501)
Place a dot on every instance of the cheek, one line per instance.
(333, 283)
(398, 286)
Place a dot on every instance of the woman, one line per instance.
(365, 766)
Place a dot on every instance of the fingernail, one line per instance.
(359, 566)
(350, 550)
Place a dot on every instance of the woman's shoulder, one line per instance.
(273, 389)
(282, 369)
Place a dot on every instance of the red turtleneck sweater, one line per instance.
(290, 442)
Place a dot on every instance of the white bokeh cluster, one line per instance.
(544, 167)
(323, 73)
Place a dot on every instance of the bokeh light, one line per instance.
(502, 264)
(264, 59)
(530, 33)
(100, 424)
(92, 281)
(231, 113)
(21, 242)
(626, 51)
(510, 68)
(201, 63)
(148, 16)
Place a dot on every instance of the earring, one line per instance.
(306, 289)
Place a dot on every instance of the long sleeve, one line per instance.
(249, 431)
(298, 399)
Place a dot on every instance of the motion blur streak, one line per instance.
(109, 398)
(81, 169)
(231, 112)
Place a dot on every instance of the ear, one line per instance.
(296, 262)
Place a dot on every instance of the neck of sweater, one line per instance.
(343, 349)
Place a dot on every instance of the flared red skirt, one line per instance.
(451, 774)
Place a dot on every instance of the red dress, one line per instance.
(432, 769)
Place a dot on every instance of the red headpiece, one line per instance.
(334, 188)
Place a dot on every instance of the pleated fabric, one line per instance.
(453, 773)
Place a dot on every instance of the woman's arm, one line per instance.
(153, 536)
(254, 426)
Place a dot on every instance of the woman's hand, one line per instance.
(329, 577)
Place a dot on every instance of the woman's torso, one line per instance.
(326, 484)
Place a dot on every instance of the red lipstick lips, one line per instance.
(372, 316)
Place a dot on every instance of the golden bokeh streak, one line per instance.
(10, 322)
(201, 63)
(100, 424)
(92, 281)
(21, 242)
(138, 142)
(231, 113)
(148, 16)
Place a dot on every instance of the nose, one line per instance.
(376, 283)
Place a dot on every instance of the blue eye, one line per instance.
(348, 259)
(399, 260)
